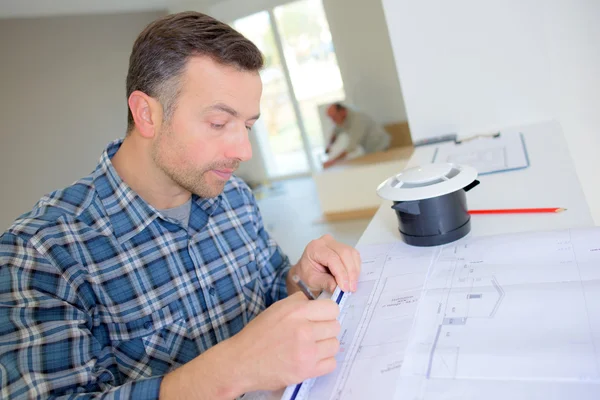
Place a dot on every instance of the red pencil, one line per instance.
(519, 211)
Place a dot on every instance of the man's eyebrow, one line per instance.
(229, 110)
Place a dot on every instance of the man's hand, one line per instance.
(333, 161)
(328, 164)
(293, 340)
(326, 263)
(331, 141)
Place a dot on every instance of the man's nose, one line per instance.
(241, 148)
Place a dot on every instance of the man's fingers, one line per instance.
(322, 310)
(325, 366)
(327, 257)
(327, 348)
(358, 263)
(298, 297)
(327, 282)
(326, 329)
(350, 258)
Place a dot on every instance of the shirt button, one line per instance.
(148, 324)
(211, 290)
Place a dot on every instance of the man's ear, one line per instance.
(147, 113)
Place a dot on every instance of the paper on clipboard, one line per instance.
(503, 152)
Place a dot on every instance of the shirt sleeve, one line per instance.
(46, 345)
(273, 264)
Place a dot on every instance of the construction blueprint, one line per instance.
(487, 155)
(512, 316)
(376, 323)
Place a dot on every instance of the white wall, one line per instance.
(469, 65)
(573, 31)
(45, 8)
(62, 99)
(362, 45)
(226, 10)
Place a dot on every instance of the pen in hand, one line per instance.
(303, 287)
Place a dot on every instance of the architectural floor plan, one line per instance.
(515, 316)
(499, 317)
(376, 323)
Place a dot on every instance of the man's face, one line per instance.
(337, 116)
(207, 135)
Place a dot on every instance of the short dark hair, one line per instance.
(339, 106)
(161, 51)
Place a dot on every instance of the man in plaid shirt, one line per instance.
(154, 276)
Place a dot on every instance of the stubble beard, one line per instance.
(193, 179)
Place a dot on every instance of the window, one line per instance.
(301, 73)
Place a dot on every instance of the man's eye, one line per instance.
(217, 126)
(249, 128)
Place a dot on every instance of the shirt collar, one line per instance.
(128, 213)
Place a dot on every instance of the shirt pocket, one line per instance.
(150, 345)
(251, 283)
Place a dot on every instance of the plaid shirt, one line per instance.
(101, 294)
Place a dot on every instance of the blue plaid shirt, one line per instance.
(101, 294)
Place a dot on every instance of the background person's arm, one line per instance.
(340, 157)
(336, 131)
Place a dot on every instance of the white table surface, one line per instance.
(549, 181)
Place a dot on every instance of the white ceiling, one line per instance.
(38, 8)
